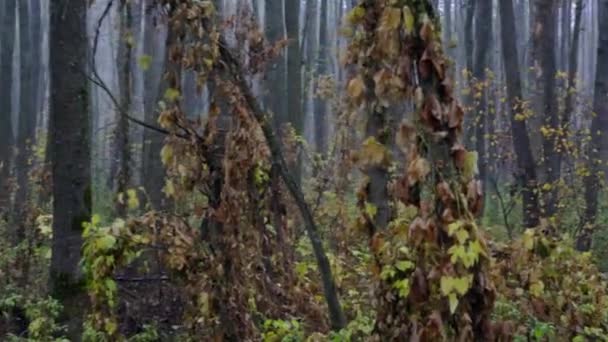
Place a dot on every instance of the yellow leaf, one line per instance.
(355, 88)
(371, 210)
(373, 152)
(537, 289)
(528, 239)
(166, 154)
(172, 95)
(470, 169)
(133, 200)
(408, 20)
(145, 61)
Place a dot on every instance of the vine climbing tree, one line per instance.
(432, 260)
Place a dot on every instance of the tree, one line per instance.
(7, 39)
(483, 40)
(599, 125)
(526, 167)
(121, 133)
(320, 107)
(154, 91)
(71, 169)
(546, 63)
(294, 68)
(27, 115)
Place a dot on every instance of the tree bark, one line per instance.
(599, 126)
(320, 106)
(483, 37)
(545, 55)
(27, 119)
(71, 171)
(121, 133)
(294, 71)
(526, 169)
(7, 39)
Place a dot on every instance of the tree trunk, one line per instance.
(153, 169)
(27, 119)
(599, 126)
(483, 37)
(545, 55)
(121, 133)
(70, 138)
(276, 73)
(320, 106)
(7, 39)
(294, 71)
(572, 71)
(526, 169)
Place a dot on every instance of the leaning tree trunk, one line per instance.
(526, 168)
(71, 171)
(599, 125)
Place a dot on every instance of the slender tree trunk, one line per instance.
(27, 119)
(599, 126)
(483, 37)
(70, 138)
(320, 106)
(469, 47)
(294, 71)
(7, 41)
(276, 73)
(121, 133)
(545, 54)
(153, 169)
(526, 169)
(572, 71)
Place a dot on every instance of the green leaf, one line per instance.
(403, 286)
(404, 265)
(105, 242)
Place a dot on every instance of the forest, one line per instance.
(303, 170)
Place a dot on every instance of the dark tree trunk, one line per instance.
(526, 169)
(121, 133)
(276, 73)
(545, 54)
(70, 139)
(483, 37)
(320, 106)
(294, 70)
(153, 170)
(599, 126)
(7, 39)
(572, 70)
(27, 119)
(469, 47)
